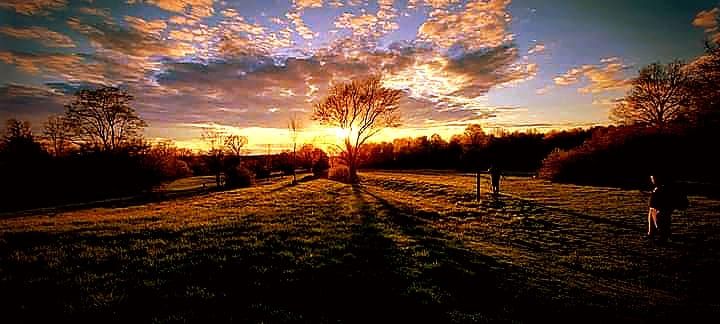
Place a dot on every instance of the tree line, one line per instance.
(666, 123)
(96, 150)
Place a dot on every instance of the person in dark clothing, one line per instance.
(495, 174)
(664, 199)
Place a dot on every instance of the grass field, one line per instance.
(400, 247)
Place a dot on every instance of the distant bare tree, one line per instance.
(103, 119)
(294, 126)
(474, 135)
(235, 143)
(58, 133)
(658, 97)
(17, 130)
(215, 142)
(361, 108)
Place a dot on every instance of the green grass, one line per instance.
(397, 248)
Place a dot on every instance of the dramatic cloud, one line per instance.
(708, 20)
(370, 26)
(191, 63)
(302, 4)
(478, 25)
(130, 53)
(606, 76)
(196, 8)
(57, 64)
(153, 28)
(45, 36)
(33, 7)
(300, 27)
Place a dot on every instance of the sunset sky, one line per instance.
(247, 66)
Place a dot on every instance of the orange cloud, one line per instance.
(32, 7)
(606, 76)
(104, 13)
(197, 8)
(302, 4)
(368, 25)
(478, 25)
(45, 36)
(708, 20)
(152, 27)
(300, 27)
(57, 64)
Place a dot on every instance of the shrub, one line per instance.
(619, 157)
(339, 173)
(258, 168)
(239, 177)
(320, 167)
(182, 169)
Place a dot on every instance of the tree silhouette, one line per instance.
(18, 141)
(474, 135)
(658, 97)
(235, 143)
(705, 86)
(361, 108)
(57, 132)
(17, 130)
(103, 119)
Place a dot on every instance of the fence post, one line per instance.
(477, 185)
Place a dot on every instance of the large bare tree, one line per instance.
(103, 119)
(657, 98)
(361, 108)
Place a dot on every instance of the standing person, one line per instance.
(495, 174)
(664, 199)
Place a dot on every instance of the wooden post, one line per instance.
(478, 186)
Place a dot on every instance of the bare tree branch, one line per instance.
(361, 108)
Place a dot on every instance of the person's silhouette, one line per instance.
(495, 174)
(661, 206)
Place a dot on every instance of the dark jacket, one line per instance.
(667, 198)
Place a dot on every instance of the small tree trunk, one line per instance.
(353, 172)
(294, 163)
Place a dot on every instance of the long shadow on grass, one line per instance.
(112, 202)
(449, 281)
(477, 286)
(597, 219)
(250, 271)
